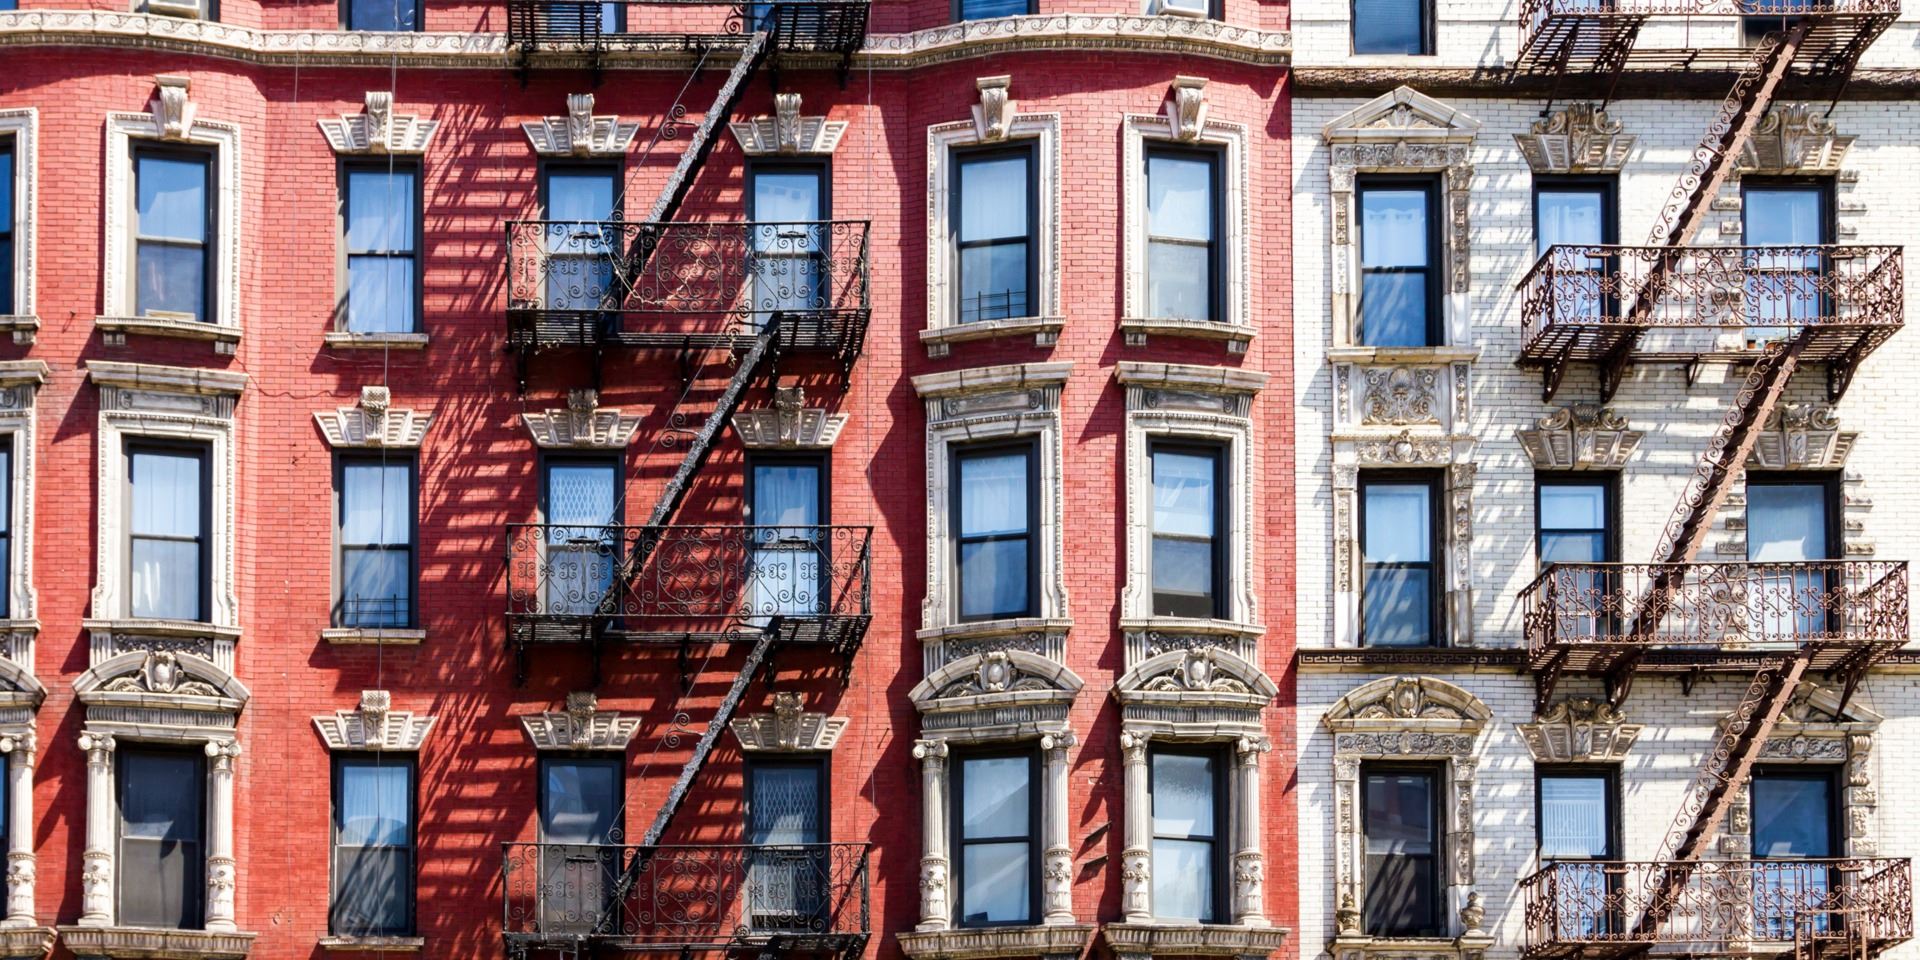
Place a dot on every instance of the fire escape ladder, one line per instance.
(758, 47)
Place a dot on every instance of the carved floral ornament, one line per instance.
(1802, 436)
(1578, 138)
(1186, 107)
(788, 424)
(160, 694)
(374, 422)
(581, 133)
(1580, 436)
(788, 727)
(583, 425)
(374, 725)
(1579, 730)
(998, 694)
(1794, 138)
(993, 115)
(172, 111)
(788, 132)
(581, 726)
(1417, 704)
(378, 130)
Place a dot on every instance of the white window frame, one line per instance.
(21, 125)
(1235, 326)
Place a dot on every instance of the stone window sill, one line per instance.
(373, 944)
(374, 636)
(975, 629)
(1050, 940)
(1401, 354)
(114, 331)
(1184, 939)
(1135, 330)
(1223, 628)
(1360, 946)
(25, 327)
(143, 943)
(143, 627)
(347, 340)
(1045, 331)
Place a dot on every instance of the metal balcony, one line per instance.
(804, 26)
(1811, 909)
(798, 900)
(1614, 305)
(1582, 36)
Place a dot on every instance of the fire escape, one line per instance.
(740, 298)
(1772, 310)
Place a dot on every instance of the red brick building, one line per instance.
(314, 328)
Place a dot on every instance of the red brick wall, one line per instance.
(478, 466)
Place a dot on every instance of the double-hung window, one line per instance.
(788, 205)
(994, 505)
(1578, 212)
(790, 871)
(792, 548)
(1189, 834)
(173, 226)
(1794, 822)
(1403, 27)
(993, 232)
(380, 14)
(984, 9)
(1400, 582)
(373, 840)
(9, 300)
(582, 203)
(995, 833)
(582, 799)
(1401, 830)
(581, 504)
(1183, 234)
(167, 530)
(376, 517)
(1188, 531)
(1791, 522)
(382, 247)
(6, 526)
(1575, 525)
(1784, 223)
(1399, 261)
(162, 866)
(1576, 817)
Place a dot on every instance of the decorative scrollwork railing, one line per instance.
(1535, 14)
(808, 25)
(1575, 296)
(684, 896)
(1750, 605)
(690, 573)
(1722, 907)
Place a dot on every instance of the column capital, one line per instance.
(1060, 742)
(98, 746)
(933, 753)
(21, 747)
(1133, 748)
(1249, 749)
(223, 753)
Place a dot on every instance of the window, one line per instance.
(790, 875)
(1189, 820)
(1784, 285)
(1576, 816)
(173, 233)
(191, 9)
(373, 839)
(1793, 819)
(1578, 212)
(994, 213)
(1189, 567)
(162, 866)
(376, 522)
(997, 569)
(8, 303)
(6, 527)
(788, 205)
(167, 531)
(581, 504)
(1183, 234)
(1402, 832)
(1399, 254)
(983, 9)
(581, 802)
(787, 505)
(1791, 520)
(995, 839)
(381, 14)
(1402, 27)
(382, 248)
(580, 200)
(1400, 586)
(1574, 514)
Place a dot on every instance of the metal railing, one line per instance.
(1748, 605)
(801, 25)
(1692, 300)
(1719, 907)
(673, 897)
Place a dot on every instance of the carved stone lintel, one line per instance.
(788, 424)
(1578, 138)
(378, 130)
(374, 423)
(581, 726)
(788, 727)
(993, 116)
(1580, 730)
(374, 725)
(1580, 436)
(581, 133)
(583, 425)
(1794, 138)
(1186, 107)
(172, 111)
(1802, 436)
(788, 132)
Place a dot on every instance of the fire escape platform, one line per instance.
(798, 26)
(1601, 36)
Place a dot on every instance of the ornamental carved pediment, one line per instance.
(1402, 114)
(1579, 730)
(374, 422)
(581, 726)
(374, 725)
(1409, 704)
(581, 133)
(1794, 138)
(161, 672)
(1196, 672)
(1402, 396)
(1580, 436)
(378, 130)
(583, 425)
(788, 132)
(788, 424)
(1578, 138)
(1802, 436)
(788, 728)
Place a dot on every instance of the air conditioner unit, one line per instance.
(1180, 8)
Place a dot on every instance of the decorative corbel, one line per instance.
(993, 117)
(1186, 107)
(584, 424)
(786, 122)
(789, 423)
(378, 130)
(375, 422)
(172, 111)
(581, 133)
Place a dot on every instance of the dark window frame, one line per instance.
(1824, 188)
(419, 18)
(547, 167)
(1030, 448)
(341, 461)
(389, 758)
(1436, 268)
(344, 256)
(961, 157)
(957, 830)
(820, 460)
(1222, 838)
(1832, 774)
(545, 459)
(1216, 158)
(7, 560)
(820, 167)
(1429, 32)
(1436, 550)
(10, 294)
(1609, 483)
(820, 761)
(1610, 772)
(1437, 776)
(1606, 184)
(1830, 483)
(960, 9)
(203, 450)
(617, 761)
(209, 248)
(1221, 542)
(196, 886)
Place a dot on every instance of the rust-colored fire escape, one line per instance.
(752, 292)
(1613, 307)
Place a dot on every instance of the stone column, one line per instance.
(1057, 872)
(20, 865)
(1136, 859)
(1249, 866)
(221, 871)
(96, 869)
(935, 911)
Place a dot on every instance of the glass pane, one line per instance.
(1183, 875)
(997, 883)
(787, 495)
(160, 795)
(580, 195)
(786, 196)
(380, 211)
(1183, 568)
(376, 587)
(376, 804)
(170, 279)
(1571, 217)
(580, 495)
(1393, 227)
(1183, 798)
(1786, 521)
(6, 184)
(371, 890)
(993, 282)
(1398, 518)
(994, 799)
(159, 883)
(993, 494)
(382, 15)
(1573, 548)
(1183, 493)
(380, 294)
(1400, 895)
(1180, 197)
(785, 805)
(1397, 607)
(1792, 816)
(1393, 309)
(993, 197)
(1179, 281)
(1399, 813)
(166, 579)
(1565, 507)
(580, 801)
(1388, 26)
(993, 578)
(1573, 816)
(1783, 216)
(171, 197)
(982, 9)
(376, 503)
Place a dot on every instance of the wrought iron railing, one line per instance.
(1749, 605)
(803, 25)
(666, 897)
(1715, 906)
(1536, 16)
(1692, 300)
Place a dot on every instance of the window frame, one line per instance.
(341, 460)
(344, 257)
(820, 762)
(1216, 157)
(1836, 804)
(616, 760)
(1436, 267)
(543, 464)
(202, 449)
(1437, 777)
(8, 536)
(548, 166)
(1436, 550)
(1609, 483)
(1610, 772)
(960, 7)
(210, 248)
(820, 460)
(1029, 446)
(957, 829)
(1606, 184)
(959, 158)
(383, 758)
(1429, 32)
(1221, 840)
(11, 297)
(1221, 542)
(195, 889)
(819, 166)
(419, 18)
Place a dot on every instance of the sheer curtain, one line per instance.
(993, 534)
(1786, 524)
(165, 538)
(788, 565)
(582, 501)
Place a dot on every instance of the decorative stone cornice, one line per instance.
(1426, 704)
(1352, 946)
(374, 725)
(1579, 730)
(154, 377)
(581, 726)
(788, 728)
(1578, 138)
(1794, 138)
(1802, 436)
(788, 424)
(990, 943)
(583, 425)
(787, 132)
(997, 695)
(1580, 436)
(377, 129)
(1012, 376)
(1403, 115)
(22, 943)
(1183, 376)
(580, 133)
(1183, 36)
(374, 423)
(1192, 940)
(1197, 693)
(147, 943)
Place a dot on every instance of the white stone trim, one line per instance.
(1815, 729)
(374, 725)
(1248, 897)
(22, 126)
(20, 382)
(581, 133)
(789, 424)
(377, 130)
(1580, 436)
(583, 425)
(1236, 326)
(983, 404)
(1452, 456)
(1794, 139)
(373, 423)
(582, 725)
(20, 698)
(178, 403)
(1580, 730)
(788, 132)
(116, 277)
(1578, 138)
(788, 728)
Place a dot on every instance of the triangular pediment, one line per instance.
(1402, 114)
